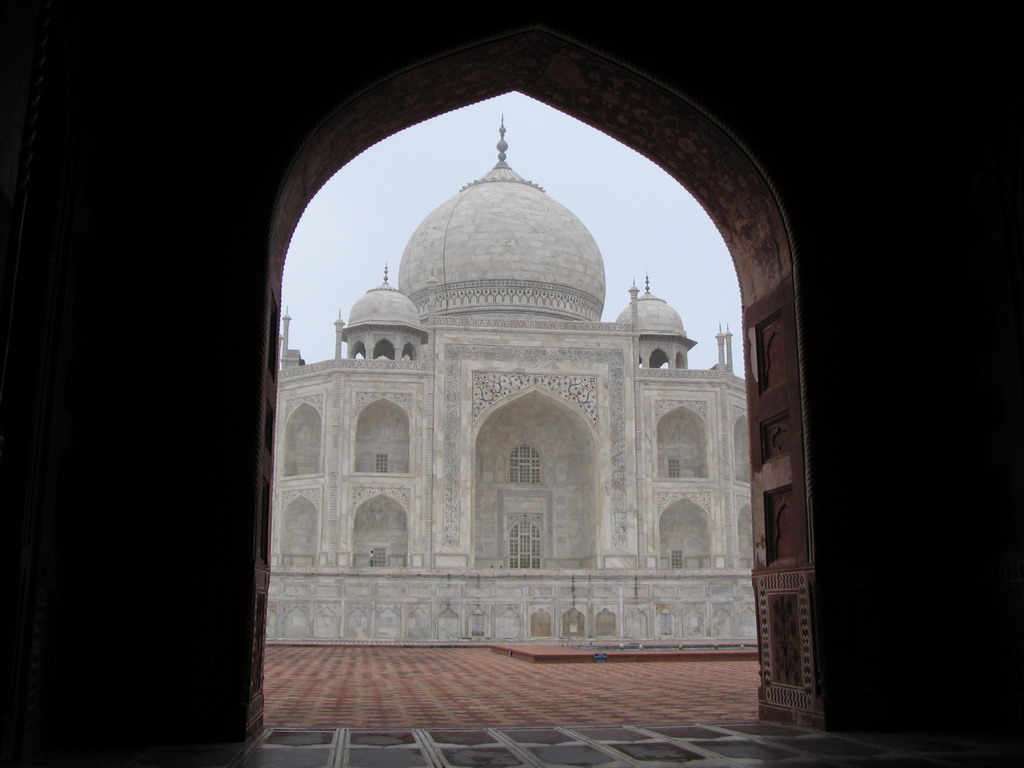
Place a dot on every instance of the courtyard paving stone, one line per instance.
(468, 708)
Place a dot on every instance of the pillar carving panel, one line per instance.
(789, 679)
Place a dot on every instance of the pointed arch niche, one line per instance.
(682, 445)
(723, 175)
(380, 534)
(382, 438)
(684, 537)
(541, 514)
(302, 442)
(299, 540)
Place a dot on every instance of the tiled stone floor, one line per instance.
(468, 708)
(395, 687)
(695, 745)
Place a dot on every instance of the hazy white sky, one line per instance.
(642, 220)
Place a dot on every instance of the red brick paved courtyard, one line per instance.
(431, 687)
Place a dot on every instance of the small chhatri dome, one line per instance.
(384, 305)
(654, 315)
(502, 247)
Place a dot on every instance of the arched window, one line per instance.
(574, 623)
(357, 350)
(605, 624)
(524, 545)
(682, 445)
(684, 536)
(385, 349)
(302, 442)
(659, 359)
(382, 438)
(524, 465)
(409, 351)
(540, 624)
(379, 534)
(299, 533)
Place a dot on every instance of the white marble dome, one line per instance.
(654, 315)
(384, 305)
(503, 247)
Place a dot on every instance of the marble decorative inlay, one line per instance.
(402, 495)
(511, 295)
(489, 388)
(679, 373)
(313, 494)
(536, 518)
(315, 401)
(403, 399)
(701, 499)
(447, 321)
(332, 513)
(450, 522)
(700, 407)
(456, 354)
(785, 639)
(353, 365)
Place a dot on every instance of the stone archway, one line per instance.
(713, 165)
(535, 484)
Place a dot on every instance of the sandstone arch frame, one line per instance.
(737, 194)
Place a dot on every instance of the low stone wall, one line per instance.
(403, 605)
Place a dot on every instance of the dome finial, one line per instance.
(647, 284)
(502, 145)
(385, 273)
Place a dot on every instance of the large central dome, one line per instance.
(503, 247)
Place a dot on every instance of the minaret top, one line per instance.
(502, 145)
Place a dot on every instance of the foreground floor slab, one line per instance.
(697, 745)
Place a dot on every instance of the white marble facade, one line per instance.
(486, 460)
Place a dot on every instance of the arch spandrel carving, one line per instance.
(701, 498)
(316, 402)
(363, 399)
(402, 495)
(312, 494)
(492, 387)
(700, 407)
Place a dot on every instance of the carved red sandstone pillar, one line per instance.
(783, 555)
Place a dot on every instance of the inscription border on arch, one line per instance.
(316, 402)
(402, 399)
(491, 387)
(360, 494)
(311, 494)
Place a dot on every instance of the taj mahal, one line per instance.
(484, 459)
